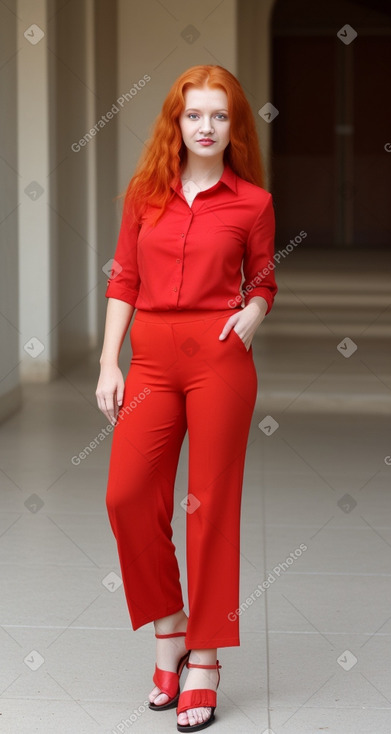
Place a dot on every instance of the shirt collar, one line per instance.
(228, 177)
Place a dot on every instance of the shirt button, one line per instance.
(178, 260)
(183, 234)
(175, 289)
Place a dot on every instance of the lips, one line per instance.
(205, 141)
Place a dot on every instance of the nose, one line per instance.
(206, 125)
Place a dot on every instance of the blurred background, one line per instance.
(69, 66)
(82, 82)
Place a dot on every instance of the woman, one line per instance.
(195, 215)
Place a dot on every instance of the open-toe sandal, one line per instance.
(197, 697)
(167, 681)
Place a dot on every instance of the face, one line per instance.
(204, 121)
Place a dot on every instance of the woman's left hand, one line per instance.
(246, 321)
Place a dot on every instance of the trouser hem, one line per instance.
(211, 644)
(165, 613)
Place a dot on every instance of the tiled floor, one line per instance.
(315, 645)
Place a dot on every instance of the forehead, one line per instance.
(205, 98)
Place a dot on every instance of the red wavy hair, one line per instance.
(165, 153)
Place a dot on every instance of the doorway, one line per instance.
(331, 140)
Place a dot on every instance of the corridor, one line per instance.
(315, 629)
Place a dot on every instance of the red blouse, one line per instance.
(194, 256)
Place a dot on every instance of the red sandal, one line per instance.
(167, 681)
(196, 698)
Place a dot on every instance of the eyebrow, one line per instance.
(194, 109)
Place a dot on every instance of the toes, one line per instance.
(161, 698)
(153, 695)
(194, 716)
(158, 698)
(205, 714)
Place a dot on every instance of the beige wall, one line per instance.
(35, 305)
(150, 42)
(236, 34)
(9, 281)
(84, 84)
(91, 55)
(254, 64)
(65, 83)
(107, 152)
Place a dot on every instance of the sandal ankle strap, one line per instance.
(172, 634)
(208, 667)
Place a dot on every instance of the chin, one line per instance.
(210, 150)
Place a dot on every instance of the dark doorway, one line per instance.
(331, 141)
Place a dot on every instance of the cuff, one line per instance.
(264, 293)
(115, 290)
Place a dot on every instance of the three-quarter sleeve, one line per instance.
(124, 281)
(258, 262)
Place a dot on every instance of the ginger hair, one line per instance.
(165, 153)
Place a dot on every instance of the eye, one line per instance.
(222, 116)
(192, 115)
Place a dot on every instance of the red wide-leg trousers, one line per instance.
(182, 377)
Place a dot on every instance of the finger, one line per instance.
(117, 407)
(102, 406)
(227, 327)
(110, 410)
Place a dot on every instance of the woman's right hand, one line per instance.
(110, 391)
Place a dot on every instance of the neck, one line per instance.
(201, 170)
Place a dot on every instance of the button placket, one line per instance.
(177, 278)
